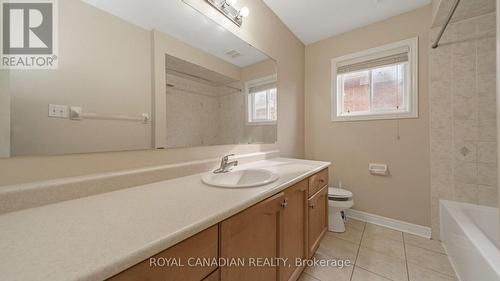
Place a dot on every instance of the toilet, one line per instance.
(338, 200)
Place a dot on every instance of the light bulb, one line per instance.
(244, 12)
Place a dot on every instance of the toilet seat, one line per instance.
(338, 194)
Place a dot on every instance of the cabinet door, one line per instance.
(253, 233)
(294, 229)
(318, 219)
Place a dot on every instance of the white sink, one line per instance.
(240, 178)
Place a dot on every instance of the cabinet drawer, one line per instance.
(318, 219)
(201, 245)
(317, 181)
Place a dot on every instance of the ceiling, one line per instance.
(312, 21)
(181, 21)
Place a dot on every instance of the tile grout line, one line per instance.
(435, 271)
(406, 258)
(411, 244)
(387, 254)
(430, 269)
(378, 274)
(384, 236)
(345, 240)
(426, 268)
(310, 276)
(420, 247)
(362, 235)
(357, 253)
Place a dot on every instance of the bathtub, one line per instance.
(471, 240)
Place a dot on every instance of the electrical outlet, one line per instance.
(58, 111)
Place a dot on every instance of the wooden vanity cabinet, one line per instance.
(275, 228)
(253, 233)
(288, 225)
(318, 219)
(295, 229)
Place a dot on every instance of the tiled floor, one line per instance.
(380, 254)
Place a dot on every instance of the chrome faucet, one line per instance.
(225, 165)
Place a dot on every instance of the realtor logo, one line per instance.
(29, 34)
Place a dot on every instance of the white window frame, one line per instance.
(249, 100)
(411, 93)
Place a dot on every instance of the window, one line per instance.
(262, 101)
(380, 83)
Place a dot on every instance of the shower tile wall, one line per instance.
(232, 111)
(463, 115)
(199, 114)
(192, 109)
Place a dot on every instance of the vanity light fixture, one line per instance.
(228, 9)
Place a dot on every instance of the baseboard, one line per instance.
(419, 230)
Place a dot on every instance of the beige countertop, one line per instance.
(96, 237)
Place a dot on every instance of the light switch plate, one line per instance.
(58, 111)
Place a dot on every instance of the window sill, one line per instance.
(388, 116)
(264, 123)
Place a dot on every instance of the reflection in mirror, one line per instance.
(135, 75)
(208, 108)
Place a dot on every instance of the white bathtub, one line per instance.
(470, 237)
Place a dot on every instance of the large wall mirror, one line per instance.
(136, 75)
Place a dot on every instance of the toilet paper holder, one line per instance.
(378, 169)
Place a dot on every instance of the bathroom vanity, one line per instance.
(113, 235)
(289, 225)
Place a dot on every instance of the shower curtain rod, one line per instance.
(452, 11)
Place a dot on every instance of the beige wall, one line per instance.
(263, 30)
(104, 67)
(351, 146)
(258, 70)
(4, 114)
